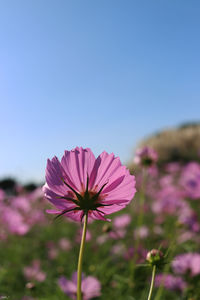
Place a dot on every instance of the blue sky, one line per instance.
(99, 74)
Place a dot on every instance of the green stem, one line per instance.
(171, 251)
(152, 282)
(80, 259)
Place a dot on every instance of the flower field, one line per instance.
(39, 253)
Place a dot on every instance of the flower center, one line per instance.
(88, 200)
(147, 161)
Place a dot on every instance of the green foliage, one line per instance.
(112, 270)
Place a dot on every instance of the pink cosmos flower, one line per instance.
(188, 262)
(169, 200)
(21, 204)
(19, 213)
(140, 253)
(190, 180)
(121, 221)
(117, 234)
(14, 221)
(119, 226)
(186, 236)
(82, 184)
(141, 232)
(52, 250)
(91, 287)
(34, 272)
(173, 167)
(101, 239)
(65, 244)
(145, 156)
(170, 282)
(189, 218)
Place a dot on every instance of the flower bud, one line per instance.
(106, 228)
(30, 285)
(145, 156)
(155, 257)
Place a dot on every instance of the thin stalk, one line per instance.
(171, 249)
(152, 282)
(80, 259)
(165, 271)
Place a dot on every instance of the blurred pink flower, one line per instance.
(52, 250)
(121, 221)
(141, 232)
(185, 236)
(101, 239)
(81, 184)
(119, 227)
(33, 272)
(190, 180)
(65, 244)
(118, 249)
(117, 234)
(173, 167)
(189, 218)
(19, 214)
(36, 194)
(169, 199)
(140, 253)
(170, 282)
(79, 235)
(188, 262)
(166, 181)
(145, 156)
(21, 203)
(91, 287)
(14, 221)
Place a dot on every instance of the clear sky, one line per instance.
(95, 73)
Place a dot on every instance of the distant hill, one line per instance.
(181, 144)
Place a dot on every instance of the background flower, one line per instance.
(91, 287)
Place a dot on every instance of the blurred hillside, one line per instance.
(181, 144)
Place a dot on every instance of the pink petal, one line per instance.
(111, 209)
(97, 216)
(54, 199)
(78, 164)
(105, 165)
(54, 175)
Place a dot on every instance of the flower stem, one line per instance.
(172, 248)
(152, 282)
(80, 259)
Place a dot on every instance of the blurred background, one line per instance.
(98, 74)
(109, 75)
